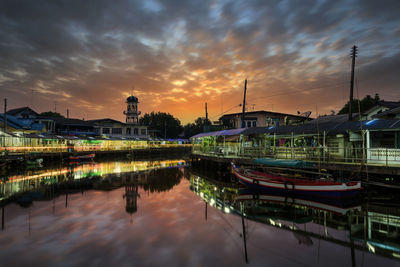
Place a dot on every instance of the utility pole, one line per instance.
(206, 114)
(244, 103)
(165, 129)
(353, 55)
(5, 116)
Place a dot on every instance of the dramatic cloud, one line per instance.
(88, 56)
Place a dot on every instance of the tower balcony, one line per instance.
(137, 113)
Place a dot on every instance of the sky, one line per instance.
(174, 55)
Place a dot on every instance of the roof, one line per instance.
(393, 111)
(262, 112)
(334, 118)
(15, 111)
(221, 133)
(105, 120)
(389, 104)
(75, 122)
(21, 123)
(312, 128)
(132, 99)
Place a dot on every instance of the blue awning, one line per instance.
(220, 133)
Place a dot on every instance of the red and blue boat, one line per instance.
(296, 185)
(81, 158)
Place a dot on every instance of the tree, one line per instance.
(365, 104)
(51, 114)
(164, 124)
(197, 127)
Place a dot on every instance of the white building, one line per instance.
(114, 128)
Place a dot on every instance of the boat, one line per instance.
(34, 163)
(82, 157)
(334, 205)
(296, 185)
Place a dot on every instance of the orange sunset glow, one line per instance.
(175, 56)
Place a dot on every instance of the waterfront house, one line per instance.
(262, 118)
(372, 141)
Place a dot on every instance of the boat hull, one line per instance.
(82, 158)
(336, 205)
(325, 189)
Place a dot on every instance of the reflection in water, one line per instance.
(76, 175)
(119, 213)
(49, 184)
(348, 222)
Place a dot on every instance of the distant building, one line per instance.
(27, 120)
(114, 128)
(383, 110)
(64, 126)
(26, 113)
(261, 119)
(131, 112)
(23, 113)
(16, 125)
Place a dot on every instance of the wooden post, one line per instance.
(244, 104)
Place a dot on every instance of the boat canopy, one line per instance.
(283, 163)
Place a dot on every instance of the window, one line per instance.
(106, 130)
(254, 123)
(333, 146)
(135, 131)
(128, 131)
(116, 131)
(383, 139)
(143, 131)
(248, 124)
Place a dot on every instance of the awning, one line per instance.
(220, 133)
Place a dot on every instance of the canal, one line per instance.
(162, 212)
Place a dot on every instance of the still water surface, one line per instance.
(153, 213)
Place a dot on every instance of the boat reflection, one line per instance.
(357, 223)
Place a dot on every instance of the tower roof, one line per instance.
(132, 99)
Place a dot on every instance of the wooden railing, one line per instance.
(373, 156)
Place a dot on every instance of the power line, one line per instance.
(299, 91)
(235, 106)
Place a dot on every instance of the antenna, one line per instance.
(305, 114)
(32, 98)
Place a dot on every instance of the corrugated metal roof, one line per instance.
(312, 128)
(220, 133)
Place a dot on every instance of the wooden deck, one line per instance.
(347, 167)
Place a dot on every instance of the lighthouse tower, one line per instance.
(131, 112)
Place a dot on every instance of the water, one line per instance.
(152, 213)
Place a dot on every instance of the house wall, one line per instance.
(121, 130)
(374, 111)
(262, 120)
